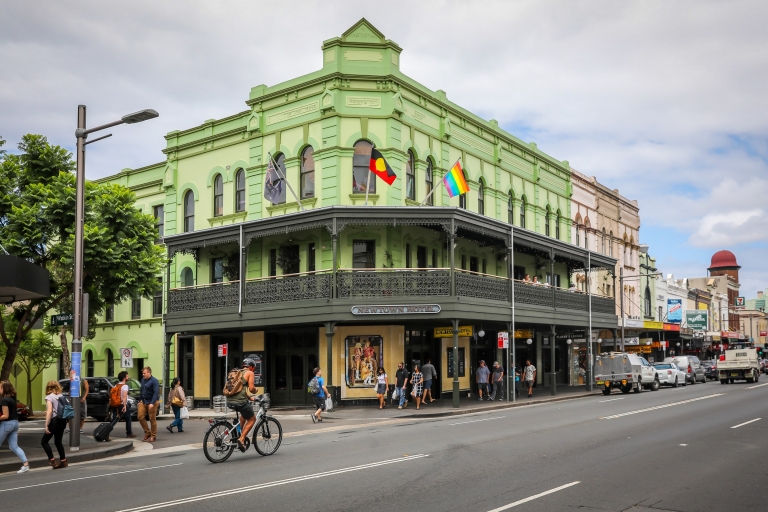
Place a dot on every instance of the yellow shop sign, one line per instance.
(465, 331)
(659, 326)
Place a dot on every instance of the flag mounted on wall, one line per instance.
(381, 168)
(454, 181)
(273, 184)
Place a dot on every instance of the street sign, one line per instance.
(62, 319)
(503, 339)
(740, 302)
(126, 358)
(223, 350)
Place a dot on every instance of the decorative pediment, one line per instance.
(363, 32)
(397, 103)
(169, 177)
(254, 122)
(328, 101)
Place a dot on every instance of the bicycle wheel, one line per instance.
(268, 436)
(216, 442)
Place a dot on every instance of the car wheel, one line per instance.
(639, 387)
(655, 385)
(724, 381)
(626, 389)
(693, 380)
(675, 384)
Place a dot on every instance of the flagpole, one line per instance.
(367, 186)
(441, 179)
(277, 169)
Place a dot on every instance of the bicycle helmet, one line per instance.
(249, 363)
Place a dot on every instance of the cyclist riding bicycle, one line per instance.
(241, 402)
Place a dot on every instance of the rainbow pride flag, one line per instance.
(454, 181)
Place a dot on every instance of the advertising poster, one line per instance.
(674, 311)
(74, 375)
(258, 370)
(364, 358)
(696, 320)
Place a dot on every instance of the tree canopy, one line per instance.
(37, 217)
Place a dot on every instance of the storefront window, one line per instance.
(365, 356)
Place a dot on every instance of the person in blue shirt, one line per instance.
(319, 398)
(148, 403)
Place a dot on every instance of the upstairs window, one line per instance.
(602, 248)
(522, 213)
(217, 270)
(187, 279)
(240, 191)
(428, 183)
(363, 254)
(109, 315)
(547, 219)
(360, 168)
(510, 210)
(218, 196)
(189, 212)
(157, 300)
(610, 244)
(410, 179)
(647, 302)
(308, 173)
(557, 226)
(157, 211)
(136, 308)
(280, 161)
(481, 198)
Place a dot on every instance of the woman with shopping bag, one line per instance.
(177, 402)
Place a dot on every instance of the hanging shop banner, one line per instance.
(655, 326)
(763, 333)
(364, 358)
(465, 331)
(674, 311)
(696, 320)
(672, 327)
(126, 358)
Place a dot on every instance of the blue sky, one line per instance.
(663, 100)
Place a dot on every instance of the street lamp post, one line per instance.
(81, 133)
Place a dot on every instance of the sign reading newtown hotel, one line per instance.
(396, 310)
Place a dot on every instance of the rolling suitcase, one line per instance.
(101, 433)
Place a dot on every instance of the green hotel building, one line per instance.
(326, 279)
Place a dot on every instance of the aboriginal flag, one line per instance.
(381, 168)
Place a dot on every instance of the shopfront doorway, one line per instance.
(220, 366)
(561, 361)
(419, 348)
(292, 357)
(186, 364)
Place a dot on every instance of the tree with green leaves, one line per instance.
(37, 217)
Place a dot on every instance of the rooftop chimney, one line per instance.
(760, 294)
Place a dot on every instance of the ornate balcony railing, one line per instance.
(191, 298)
(374, 283)
(482, 286)
(287, 288)
(571, 300)
(533, 294)
(605, 305)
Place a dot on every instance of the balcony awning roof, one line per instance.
(21, 280)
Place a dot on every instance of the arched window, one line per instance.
(522, 213)
(410, 179)
(647, 301)
(89, 363)
(240, 190)
(547, 220)
(280, 162)
(360, 163)
(463, 197)
(481, 198)
(308, 173)
(218, 196)
(602, 249)
(557, 225)
(578, 240)
(610, 245)
(189, 212)
(428, 182)
(510, 209)
(110, 363)
(187, 279)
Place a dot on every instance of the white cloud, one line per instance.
(727, 229)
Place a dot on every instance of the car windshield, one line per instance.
(663, 366)
(132, 383)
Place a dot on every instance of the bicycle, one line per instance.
(221, 437)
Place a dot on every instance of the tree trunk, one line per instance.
(64, 351)
(29, 395)
(10, 358)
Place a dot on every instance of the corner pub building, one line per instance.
(331, 281)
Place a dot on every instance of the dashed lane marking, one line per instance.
(746, 423)
(614, 416)
(534, 497)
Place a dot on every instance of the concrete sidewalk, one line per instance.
(30, 443)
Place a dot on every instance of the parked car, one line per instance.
(710, 369)
(691, 366)
(670, 374)
(98, 395)
(625, 371)
(23, 411)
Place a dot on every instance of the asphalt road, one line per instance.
(674, 449)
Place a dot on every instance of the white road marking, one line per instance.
(475, 421)
(746, 423)
(250, 488)
(758, 386)
(614, 416)
(89, 477)
(536, 496)
(610, 400)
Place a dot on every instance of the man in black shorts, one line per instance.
(241, 402)
(319, 398)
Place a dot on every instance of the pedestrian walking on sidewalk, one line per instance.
(481, 376)
(54, 426)
(382, 384)
(430, 374)
(401, 383)
(530, 376)
(176, 400)
(9, 423)
(148, 403)
(497, 376)
(319, 398)
(417, 385)
(123, 409)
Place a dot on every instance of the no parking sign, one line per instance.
(126, 358)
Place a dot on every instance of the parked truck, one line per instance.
(738, 364)
(624, 371)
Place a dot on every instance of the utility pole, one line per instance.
(621, 291)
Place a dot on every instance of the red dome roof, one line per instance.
(723, 259)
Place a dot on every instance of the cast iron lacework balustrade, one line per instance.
(605, 305)
(294, 287)
(571, 300)
(536, 295)
(203, 297)
(393, 283)
(482, 287)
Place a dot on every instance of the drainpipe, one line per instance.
(451, 243)
(553, 376)
(329, 355)
(334, 243)
(456, 398)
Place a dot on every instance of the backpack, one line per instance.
(115, 398)
(65, 411)
(234, 384)
(314, 386)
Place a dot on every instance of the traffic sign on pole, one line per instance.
(503, 339)
(223, 350)
(62, 319)
(126, 358)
